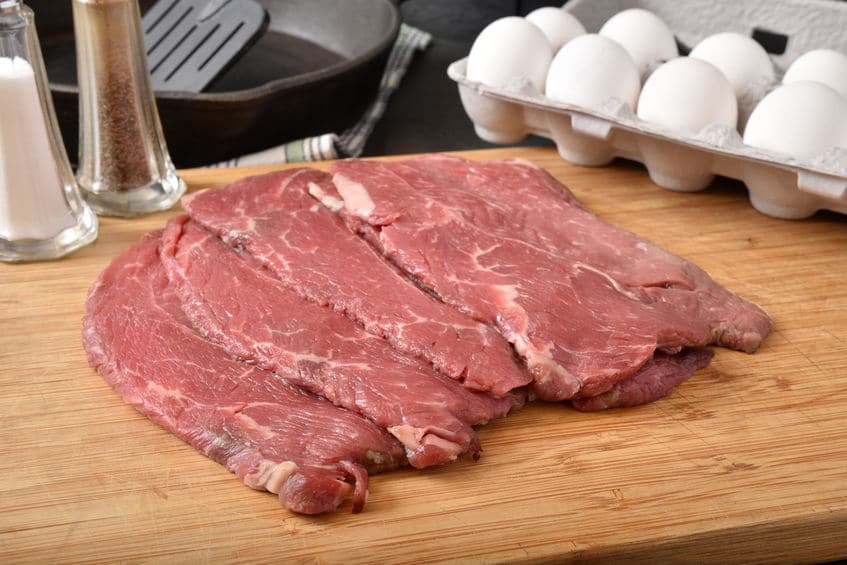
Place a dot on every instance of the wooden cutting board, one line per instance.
(747, 461)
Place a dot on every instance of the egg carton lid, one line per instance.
(788, 28)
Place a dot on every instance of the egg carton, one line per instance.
(778, 185)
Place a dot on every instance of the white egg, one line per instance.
(820, 65)
(589, 70)
(802, 119)
(687, 95)
(644, 35)
(557, 24)
(744, 62)
(508, 52)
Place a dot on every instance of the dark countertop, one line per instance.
(425, 113)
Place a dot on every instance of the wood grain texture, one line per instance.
(746, 462)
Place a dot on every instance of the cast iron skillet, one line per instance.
(314, 71)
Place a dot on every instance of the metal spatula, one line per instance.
(191, 42)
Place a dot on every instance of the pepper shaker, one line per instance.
(42, 215)
(124, 166)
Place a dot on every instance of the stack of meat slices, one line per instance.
(306, 328)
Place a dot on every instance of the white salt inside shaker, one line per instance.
(32, 205)
(42, 215)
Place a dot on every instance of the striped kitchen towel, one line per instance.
(351, 142)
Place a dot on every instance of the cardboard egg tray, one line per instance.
(778, 185)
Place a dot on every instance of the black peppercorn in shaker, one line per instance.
(124, 166)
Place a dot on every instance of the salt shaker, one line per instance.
(124, 167)
(42, 215)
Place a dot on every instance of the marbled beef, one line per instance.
(237, 303)
(586, 304)
(271, 435)
(273, 218)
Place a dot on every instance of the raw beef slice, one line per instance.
(570, 292)
(655, 380)
(522, 200)
(271, 435)
(234, 302)
(273, 218)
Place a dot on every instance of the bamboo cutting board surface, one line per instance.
(747, 461)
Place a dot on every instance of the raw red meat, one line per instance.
(271, 435)
(541, 211)
(310, 251)
(229, 298)
(586, 304)
(655, 380)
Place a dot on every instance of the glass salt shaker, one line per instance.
(124, 166)
(42, 215)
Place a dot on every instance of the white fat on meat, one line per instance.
(416, 438)
(332, 203)
(357, 200)
(270, 475)
(612, 281)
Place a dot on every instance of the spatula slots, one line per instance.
(190, 43)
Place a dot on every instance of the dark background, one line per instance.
(425, 113)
